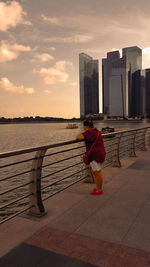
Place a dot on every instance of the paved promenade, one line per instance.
(81, 230)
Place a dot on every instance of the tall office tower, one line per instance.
(133, 57)
(106, 72)
(137, 107)
(89, 85)
(118, 87)
(147, 92)
(117, 80)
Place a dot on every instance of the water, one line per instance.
(20, 136)
(17, 136)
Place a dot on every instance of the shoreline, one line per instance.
(72, 121)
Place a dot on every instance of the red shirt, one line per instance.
(98, 152)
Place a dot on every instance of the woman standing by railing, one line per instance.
(95, 153)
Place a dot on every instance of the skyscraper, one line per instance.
(117, 80)
(89, 85)
(138, 94)
(106, 72)
(147, 93)
(133, 58)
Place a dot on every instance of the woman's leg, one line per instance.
(98, 179)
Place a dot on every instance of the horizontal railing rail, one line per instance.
(30, 176)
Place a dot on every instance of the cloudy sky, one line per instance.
(39, 45)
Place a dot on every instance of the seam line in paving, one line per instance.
(142, 205)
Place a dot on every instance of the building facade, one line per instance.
(137, 101)
(147, 92)
(89, 85)
(117, 80)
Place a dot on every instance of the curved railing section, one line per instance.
(30, 176)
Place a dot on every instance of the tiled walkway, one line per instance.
(93, 251)
(30, 256)
(110, 230)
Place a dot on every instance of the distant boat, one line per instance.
(107, 130)
(71, 126)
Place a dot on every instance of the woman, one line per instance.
(95, 151)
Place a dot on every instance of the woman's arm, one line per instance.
(80, 137)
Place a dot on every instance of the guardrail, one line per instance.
(24, 187)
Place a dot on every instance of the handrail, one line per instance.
(33, 149)
(118, 145)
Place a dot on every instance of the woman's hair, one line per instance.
(88, 123)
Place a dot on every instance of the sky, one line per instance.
(40, 42)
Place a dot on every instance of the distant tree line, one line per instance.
(35, 119)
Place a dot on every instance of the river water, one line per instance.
(17, 136)
(20, 136)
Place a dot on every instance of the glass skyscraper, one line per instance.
(147, 93)
(118, 81)
(89, 85)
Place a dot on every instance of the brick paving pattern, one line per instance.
(93, 251)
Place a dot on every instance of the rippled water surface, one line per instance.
(17, 136)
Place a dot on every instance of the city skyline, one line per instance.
(40, 43)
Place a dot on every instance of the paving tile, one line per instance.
(140, 165)
(61, 202)
(23, 255)
(71, 220)
(130, 261)
(129, 195)
(141, 188)
(144, 214)
(91, 250)
(118, 210)
(114, 261)
(97, 258)
(50, 235)
(31, 256)
(138, 237)
(108, 229)
(109, 248)
(122, 251)
(49, 239)
(91, 203)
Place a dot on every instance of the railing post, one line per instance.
(116, 159)
(132, 145)
(143, 147)
(35, 188)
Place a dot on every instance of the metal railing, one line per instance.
(30, 176)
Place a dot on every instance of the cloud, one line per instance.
(52, 48)
(146, 51)
(73, 84)
(11, 14)
(47, 92)
(56, 74)
(146, 57)
(44, 57)
(6, 85)
(11, 51)
(78, 38)
(52, 20)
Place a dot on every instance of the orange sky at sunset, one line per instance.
(40, 41)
